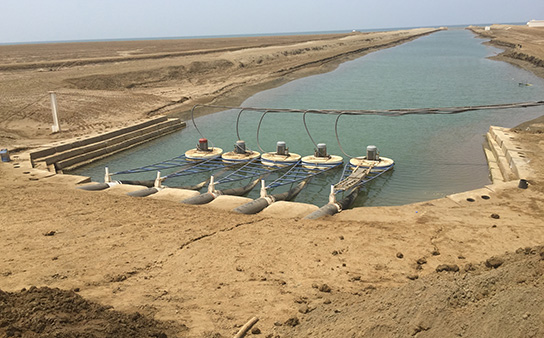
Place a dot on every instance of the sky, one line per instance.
(67, 20)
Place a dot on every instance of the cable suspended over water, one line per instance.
(352, 112)
(382, 112)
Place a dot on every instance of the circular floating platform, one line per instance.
(381, 164)
(313, 162)
(197, 154)
(273, 159)
(234, 157)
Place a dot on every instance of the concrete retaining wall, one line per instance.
(506, 156)
(70, 154)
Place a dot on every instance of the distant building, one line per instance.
(536, 23)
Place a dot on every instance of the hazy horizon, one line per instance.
(35, 21)
(242, 35)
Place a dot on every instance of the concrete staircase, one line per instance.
(68, 155)
(506, 158)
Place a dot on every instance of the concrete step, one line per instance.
(82, 141)
(512, 159)
(494, 170)
(102, 144)
(72, 154)
(82, 160)
(500, 159)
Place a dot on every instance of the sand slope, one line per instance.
(524, 46)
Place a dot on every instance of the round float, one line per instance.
(314, 162)
(381, 163)
(277, 160)
(240, 153)
(197, 154)
(234, 157)
(202, 151)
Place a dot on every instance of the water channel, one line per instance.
(435, 155)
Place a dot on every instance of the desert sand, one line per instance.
(433, 269)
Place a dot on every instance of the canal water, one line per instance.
(435, 155)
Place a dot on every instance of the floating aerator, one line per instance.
(281, 157)
(321, 159)
(372, 159)
(240, 153)
(202, 151)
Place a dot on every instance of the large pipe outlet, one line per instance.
(143, 192)
(204, 198)
(334, 208)
(254, 206)
(146, 183)
(94, 187)
(326, 210)
(261, 203)
(241, 190)
(103, 186)
(210, 196)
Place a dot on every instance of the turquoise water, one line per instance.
(435, 155)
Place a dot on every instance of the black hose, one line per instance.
(254, 206)
(146, 183)
(194, 187)
(240, 191)
(94, 187)
(103, 186)
(143, 193)
(326, 210)
(347, 201)
(190, 187)
(200, 199)
(292, 193)
(208, 197)
(334, 208)
(261, 203)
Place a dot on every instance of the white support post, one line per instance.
(263, 189)
(158, 181)
(211, 186)
(107, 176)
(332, 197)
(55, 128)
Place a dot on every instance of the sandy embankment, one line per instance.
(213, 270)
(524, 46)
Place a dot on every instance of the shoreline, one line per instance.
(518, 51)
(242, 93)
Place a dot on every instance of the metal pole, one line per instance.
(55, 128)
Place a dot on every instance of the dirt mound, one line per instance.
(534, 126)
(46, 312)
(128, 80)
(501, 297)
